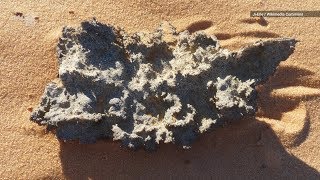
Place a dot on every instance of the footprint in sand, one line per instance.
(199, 25)
(28, 19)
(193, 24)
(247, 31)
(256, 34)
(282, 104)
(261, 21)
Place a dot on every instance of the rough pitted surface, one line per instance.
(144, 89)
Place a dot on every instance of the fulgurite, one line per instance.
(148, 88)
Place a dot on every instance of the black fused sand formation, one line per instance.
(145, 89)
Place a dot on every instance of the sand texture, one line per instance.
(281, 142)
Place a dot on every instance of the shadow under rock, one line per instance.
(245, 149)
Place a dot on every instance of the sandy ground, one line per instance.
(282, 142)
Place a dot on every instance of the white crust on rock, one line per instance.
(144, 89)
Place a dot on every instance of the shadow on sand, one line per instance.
(249, 149)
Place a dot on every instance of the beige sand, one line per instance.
(282, 142)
